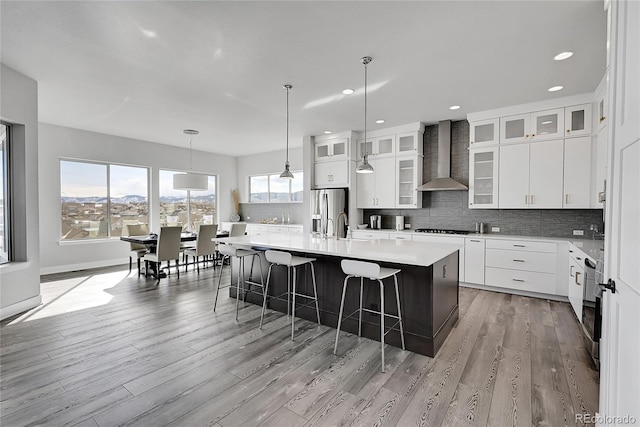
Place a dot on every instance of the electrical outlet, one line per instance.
(578, 232)
(407, 226)
(495, 229)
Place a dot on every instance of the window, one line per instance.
(5, 220)
(188, 209)
(98, 199)
(273, 189)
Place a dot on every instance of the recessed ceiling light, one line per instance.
(148, 33)
(380, 121)
(555, 88)
(348, 91)
(454, 107)
(327, 132)
(563, 55)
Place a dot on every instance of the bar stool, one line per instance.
(372, 271)
(229, 251)
(291, 262)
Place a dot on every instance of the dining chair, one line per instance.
(205, 246)
(168, 249)
(135, 249)
(237, 230)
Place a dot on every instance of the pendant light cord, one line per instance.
(288, 87)
(365, 107)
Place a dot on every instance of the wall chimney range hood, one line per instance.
(443, 182)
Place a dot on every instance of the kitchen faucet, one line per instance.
(337, 224)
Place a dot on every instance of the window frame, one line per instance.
(267, 175)
(108, 197)
(216, 219)
(7, 254)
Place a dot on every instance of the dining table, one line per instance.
(150, 241)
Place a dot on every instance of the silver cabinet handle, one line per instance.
(578, 278)
(519, 246)
(571, 267)
(526, 199)
(531, 197)
(518, 280)
(518, 260)
(566, 199)
(473, 240)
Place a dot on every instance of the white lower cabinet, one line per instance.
(575, 283)
(522, 265)
(431, 238)
(474, 252)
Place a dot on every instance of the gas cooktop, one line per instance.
(440, 231)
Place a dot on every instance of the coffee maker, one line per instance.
(375, 222)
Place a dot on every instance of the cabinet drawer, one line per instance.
(521, 260)
(516, 245)
(522, 280)
(399, 236)
(369, 235)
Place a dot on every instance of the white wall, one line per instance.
(20, 280)
(58, 142)
(263, 163)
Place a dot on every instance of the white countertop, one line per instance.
(396, 251)
(590, 248)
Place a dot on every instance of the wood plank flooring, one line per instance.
(107, 348)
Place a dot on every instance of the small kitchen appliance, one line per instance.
(399, 222)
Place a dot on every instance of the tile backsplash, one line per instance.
(449, 209)
(255, 212)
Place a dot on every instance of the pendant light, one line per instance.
(190, 181)
(287, 173)
(365, 167)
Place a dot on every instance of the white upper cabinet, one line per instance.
(331, 174)
(577, 173)
(409, 143)
(577, 120)
(378, 146)
(332, 150)
(536, 126)
(547, 124)
(531, 175)
(483, 178)
(484, 132)
(408, 171)
(515, 128)
(377, 189)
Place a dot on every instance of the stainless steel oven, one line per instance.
(592, 307)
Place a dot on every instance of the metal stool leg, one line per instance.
(238, 285)
(344, 292)
(293, 305)
(219, 280)
(360, 311)
(395, 281)
(266, 292)
(382, 321)
(315, 291)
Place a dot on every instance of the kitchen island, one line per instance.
(428, 284)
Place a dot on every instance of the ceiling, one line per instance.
(148, 70)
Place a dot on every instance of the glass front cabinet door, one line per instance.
(407, 173)
(547, 124)
(483, 178)
(515, 128)
(577, 120)
(484, 132)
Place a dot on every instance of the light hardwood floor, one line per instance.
(110, 349)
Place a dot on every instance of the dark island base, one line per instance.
(428, 299)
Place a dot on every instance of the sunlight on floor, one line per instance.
(78, 293)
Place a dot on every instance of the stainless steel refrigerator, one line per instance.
(326, 205)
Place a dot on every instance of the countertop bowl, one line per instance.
(362, 226)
